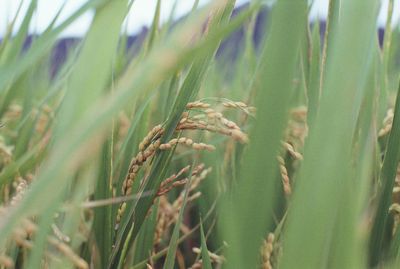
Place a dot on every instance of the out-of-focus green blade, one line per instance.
(85, 86)
(313, 93)
(315, 232)
(84, 89)
(331, 21)
(387, 41)
(249, 216)
(154, 26)
(40, 243)
(41, 46)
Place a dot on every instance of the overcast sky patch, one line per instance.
(141, 14)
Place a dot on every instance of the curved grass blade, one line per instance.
(145, 241)
(17, 43)
(10, 28)
(173, 244)
(204, 251)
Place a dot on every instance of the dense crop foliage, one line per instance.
(170, 155)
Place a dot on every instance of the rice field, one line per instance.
(175, 154)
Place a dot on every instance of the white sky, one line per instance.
(140, 15)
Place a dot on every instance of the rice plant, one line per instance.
(192, 149)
